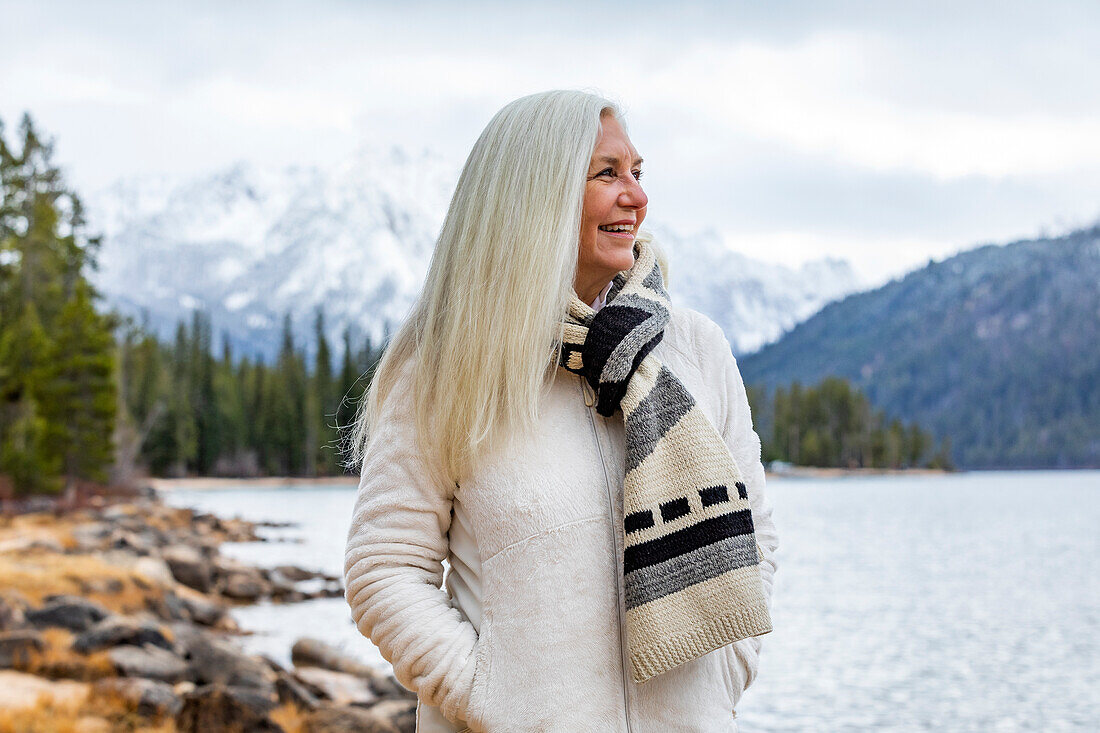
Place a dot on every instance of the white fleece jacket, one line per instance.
(528, 634)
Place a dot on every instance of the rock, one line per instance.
(295, 574)
(120, 630)
(280, 584)
(20, 691)
(189, 567)
(308, 652)
(91, 536)
(222, 662)
(155, 569)
(339, 687)
(167, 607)
(70, 612)
(17, 647)
(335, 719)
(152, 569)
(148, 661)
(221, 708)
(203, 611)
(118, 512)
(140, 543)
(290, 690)
(401, 713)
(13, 610)
(149, 697)
(387, 686)
(247, 585)
(101, 586)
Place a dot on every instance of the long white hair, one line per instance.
(485, 330)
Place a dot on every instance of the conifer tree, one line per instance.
(57, 388)
(327, 400)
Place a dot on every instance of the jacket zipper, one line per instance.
(614, 541)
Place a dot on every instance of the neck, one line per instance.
(591, 287)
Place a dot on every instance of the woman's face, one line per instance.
(614, 207)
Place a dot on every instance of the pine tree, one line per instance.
(324, 389)
(57, 356)
(79, 398)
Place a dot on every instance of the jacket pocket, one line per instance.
(740, 666)
(479, 692)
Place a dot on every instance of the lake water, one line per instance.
(967, 602)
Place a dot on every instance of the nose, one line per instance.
(632, 196)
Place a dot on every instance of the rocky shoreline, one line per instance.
(117, 618)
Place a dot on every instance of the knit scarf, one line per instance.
(691, 559)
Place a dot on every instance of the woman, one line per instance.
(578, 448)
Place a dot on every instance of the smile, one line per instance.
(618, 230)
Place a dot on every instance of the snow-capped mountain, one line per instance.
(754, 302)
(249, 244)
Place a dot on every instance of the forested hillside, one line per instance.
(997, 348)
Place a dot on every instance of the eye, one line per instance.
(607, 172)
(637, 175)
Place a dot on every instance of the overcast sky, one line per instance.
(881, 132)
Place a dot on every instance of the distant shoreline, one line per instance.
(198, 483)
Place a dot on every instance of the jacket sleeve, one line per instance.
(393, 565)
(744, 444)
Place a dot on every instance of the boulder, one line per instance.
(218, 661)
(203, 611)
(291, 690)
(189, 567)
(13, 610)
(17, 647)
(340, 688)
(223, 708)
(308, 652)
(336, 719)
(20, 691)
(148, 661)
(295, 574)
(148, 697)
(91, 536)
(118, 630)
(245, 584)
(69, 612)
(400, 713)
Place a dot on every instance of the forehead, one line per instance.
(613, 142)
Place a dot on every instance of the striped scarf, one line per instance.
(690, 562)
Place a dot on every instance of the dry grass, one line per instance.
(58, 661)
(106, 713)
(37, 574)
(289, 717)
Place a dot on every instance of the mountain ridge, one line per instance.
(996, 347)
(249, 244)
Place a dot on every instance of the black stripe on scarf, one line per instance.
(685, 540)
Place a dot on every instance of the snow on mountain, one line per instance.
(754, 302)
(249, 244)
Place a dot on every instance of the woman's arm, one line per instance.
(744, 444)
(393, 565)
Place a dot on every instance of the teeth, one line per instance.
(618, 228)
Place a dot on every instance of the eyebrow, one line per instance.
(615, 161)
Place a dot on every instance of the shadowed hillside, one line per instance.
(997, 347)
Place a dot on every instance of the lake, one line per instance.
(962, 602)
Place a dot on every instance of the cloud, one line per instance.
(856, 129)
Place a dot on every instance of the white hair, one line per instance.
(485, 330)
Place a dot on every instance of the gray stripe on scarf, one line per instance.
(675, 574)
(621, 359)
(655, 415)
